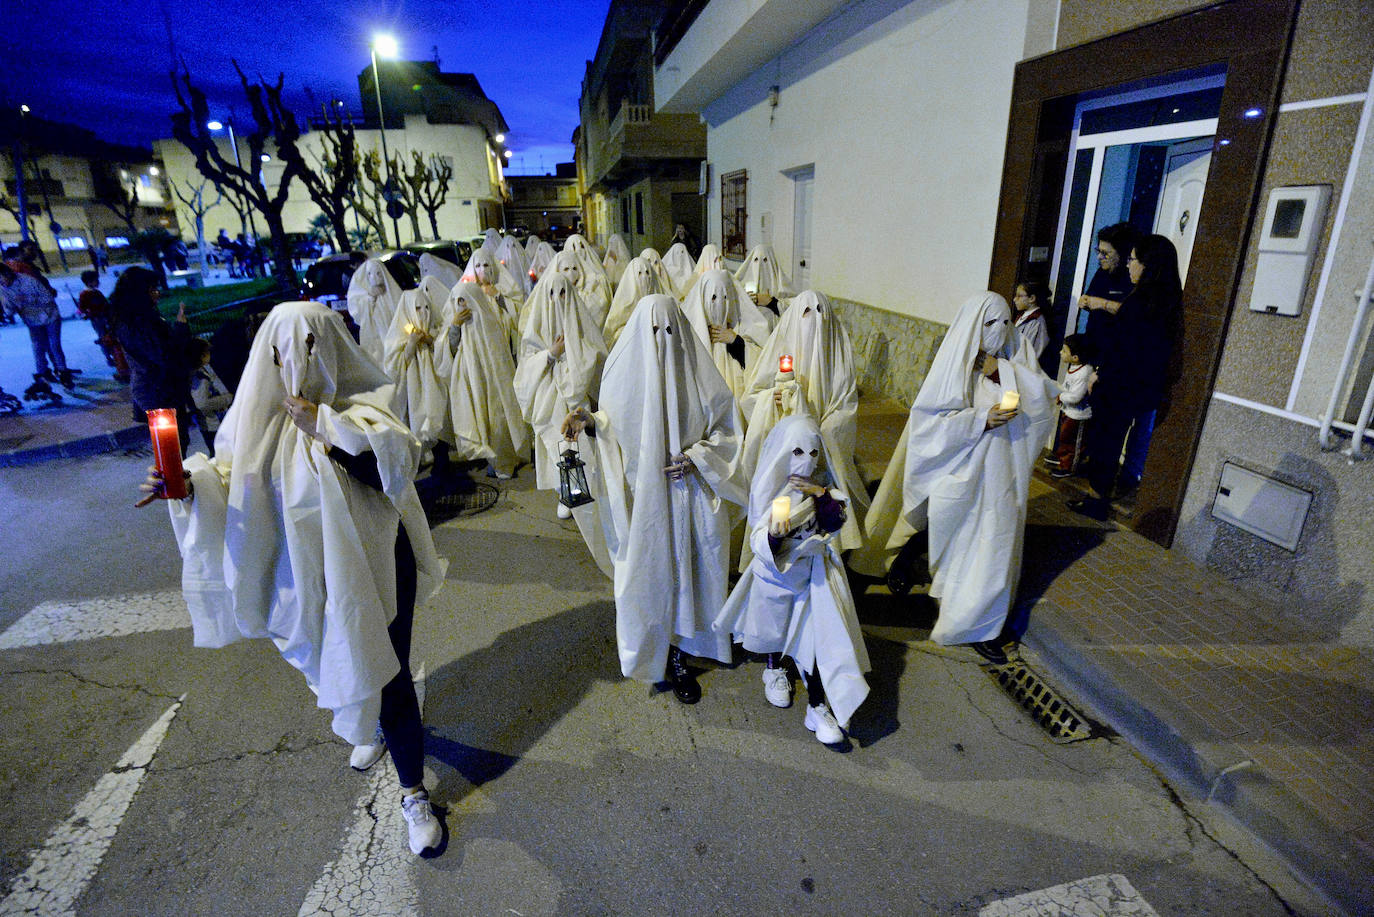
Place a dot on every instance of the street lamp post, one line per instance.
(246, 217)
(387, 45)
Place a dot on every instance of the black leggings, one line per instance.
(400, 716)
(815, 691)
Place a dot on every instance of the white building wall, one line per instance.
(904, 118)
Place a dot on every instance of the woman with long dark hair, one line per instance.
(156, 349)
(1133, 372)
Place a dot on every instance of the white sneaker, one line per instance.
(777, 687)
(424, 829)
(564, 512)
(821, 721)
(364, 756)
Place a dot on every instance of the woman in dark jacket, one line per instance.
(156, 350)
(1133, 368)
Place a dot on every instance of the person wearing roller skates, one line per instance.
(34, 302)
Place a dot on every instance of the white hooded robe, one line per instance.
(409, 359)
(373, 295)
(718, 299)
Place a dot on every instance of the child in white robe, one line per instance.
(667, 447)
(373, 295)
(617, 259)
(681, 268)
(637, 281)
(764, 281)
(484, 417)
(794, 597)
(409, 359)
(729, 324)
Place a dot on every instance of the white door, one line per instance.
(803, 183)
(1180, 197)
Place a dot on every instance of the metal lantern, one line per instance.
(572, 480)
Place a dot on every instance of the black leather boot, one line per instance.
(684, 682)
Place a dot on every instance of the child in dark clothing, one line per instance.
(210, 396)
(93, 305)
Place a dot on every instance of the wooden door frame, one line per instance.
(1251, 39)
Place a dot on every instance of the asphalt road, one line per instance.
(143, 776)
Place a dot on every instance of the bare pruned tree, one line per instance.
(330, 180)
(367, 200)
(195, 202)
(272, 122)
(122, 201)
(409, 181)
(433, 193)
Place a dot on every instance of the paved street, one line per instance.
(144, 776)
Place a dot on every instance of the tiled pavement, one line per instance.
(1225, 691)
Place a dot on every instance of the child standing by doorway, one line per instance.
(1078, 354)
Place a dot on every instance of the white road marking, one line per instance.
(1095, 896)
(67, 862)
(371, 876)
(114, 616)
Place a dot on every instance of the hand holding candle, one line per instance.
(778, 518)
(1010, 400)
(162, 427)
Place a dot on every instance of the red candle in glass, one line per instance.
(162, 426)
(785, 363)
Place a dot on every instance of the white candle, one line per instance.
(1010, 400)
(782, 511)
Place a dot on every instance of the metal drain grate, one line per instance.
(1052, 712)
(442, 508)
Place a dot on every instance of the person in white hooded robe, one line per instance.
(681, 268)
(591, 281)
(667, 445)
(373, 295)
(409, 359)
(531, 243)
(617, 259)
(305, 529)
(826, 387)
(764, 281)
(710, 259)
(559, 370)
(637, 282)
(962, 468)
(512, 255)
(540, 260)
(729, 325)
(491, 241)
(441, 269)
(655, 260)
(794, 597)
(484, 421)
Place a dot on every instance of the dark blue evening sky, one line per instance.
(104, 65)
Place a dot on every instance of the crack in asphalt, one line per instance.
(91, 681)
(968, 694)
(283, 746)
(1193, 823)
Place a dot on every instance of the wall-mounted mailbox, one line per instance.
(1262, 506)
(1293, 223)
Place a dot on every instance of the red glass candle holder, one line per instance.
(162, 427)
(785, 363)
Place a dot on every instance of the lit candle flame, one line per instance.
(785, 363)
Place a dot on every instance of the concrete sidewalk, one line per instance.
(1225, 693)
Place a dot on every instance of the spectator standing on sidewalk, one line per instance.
(1078, 356)
(209, 394)
(34, 302)
(155, 349)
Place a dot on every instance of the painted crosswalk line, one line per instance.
(88, 619)
(371, 876)
(68, 860)
(1095, 896)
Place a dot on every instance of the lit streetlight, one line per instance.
(386, 46)
(500, 138)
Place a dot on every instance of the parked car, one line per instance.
(454, 251)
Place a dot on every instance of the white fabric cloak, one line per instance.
(441, 269)
(763, 273)
(669, 540)
(540, 260)
(718, 299)
(617, 259)
(710, 259)
(681, 268)
(968, 484)
(410, 359)
(797, 601)
(665, 280)
(486, 269)
(280, 542)
(373, 296)
(592, 287)
(491, 240)
(636, 282)
(512, 255)
(823, 363)
(485, 421)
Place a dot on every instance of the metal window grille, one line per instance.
(734, 212)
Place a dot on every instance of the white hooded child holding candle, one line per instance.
(794, 597)
(667, 446)
(962, 467)
(305, 529)
(763, 279)
(729, 324)
(409, 359)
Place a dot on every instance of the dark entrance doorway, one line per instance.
(1246, 41)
